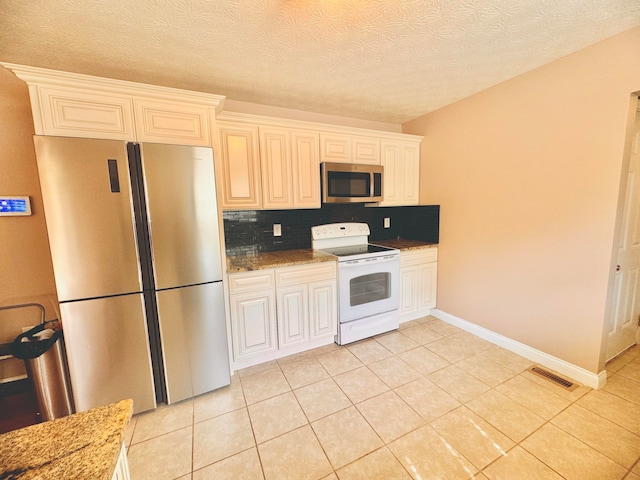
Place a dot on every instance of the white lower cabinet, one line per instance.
(418, 282)
(254, 329)
(323, 309)
(253, 313)
(121, 470)
(278, 312)
(293, 315)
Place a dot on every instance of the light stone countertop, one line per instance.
(84, 445)
(283, 258)
(286, 258)
(402, 244)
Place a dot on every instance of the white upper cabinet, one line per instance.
(290, 169)
(73, 105)
(401, 162)
(335, 148)
(72, 112)
(238, 166)
(366, 150)
(171, 122)
(267, 167)
(275, 167)
(305, 162)
(339, 148)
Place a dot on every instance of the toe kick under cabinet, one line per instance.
(281, 311)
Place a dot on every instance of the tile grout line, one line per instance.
(385, 445)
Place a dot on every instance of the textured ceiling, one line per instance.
(383, 60)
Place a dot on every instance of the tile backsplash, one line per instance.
(249, 232)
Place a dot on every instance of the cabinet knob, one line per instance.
(618, 268)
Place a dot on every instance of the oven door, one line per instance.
(368, 286)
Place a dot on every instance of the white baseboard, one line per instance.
(579, 374)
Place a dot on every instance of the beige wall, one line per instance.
(25, 262)
(269, 111)
(527, 174)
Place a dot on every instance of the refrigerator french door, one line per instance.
(134, 240)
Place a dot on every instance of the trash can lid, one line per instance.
(27, 345)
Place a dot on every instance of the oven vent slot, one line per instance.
(552, 377)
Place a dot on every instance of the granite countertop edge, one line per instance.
(286, 258)
(82, 445)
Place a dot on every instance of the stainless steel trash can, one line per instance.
(46, 364)
(49, 375)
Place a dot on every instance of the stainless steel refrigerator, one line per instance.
(134, 237)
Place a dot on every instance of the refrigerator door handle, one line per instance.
(112, 165)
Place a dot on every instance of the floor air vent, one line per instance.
(552, 377)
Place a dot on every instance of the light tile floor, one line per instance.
(427, 402)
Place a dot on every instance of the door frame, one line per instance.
(610, 309)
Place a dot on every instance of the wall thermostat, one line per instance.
(13, 206)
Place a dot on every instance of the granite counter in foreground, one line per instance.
(84, 446)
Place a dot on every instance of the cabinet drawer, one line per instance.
(251, 281)
(305, 274)
(414, 257)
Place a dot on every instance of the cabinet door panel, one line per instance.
(401, 162)
(73, 112)
(409, 290)
(335, 148)
(410, 174)
(306, 169)
(253, 324)
(428, 282)
(171, 122)
(392, 173)
(293, 316)
(366, 150)
(323, 308)
(238, 163)
(275, 161)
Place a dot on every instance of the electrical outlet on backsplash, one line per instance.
(249, 232)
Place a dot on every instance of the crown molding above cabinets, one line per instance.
(76, 105)
(262, 162)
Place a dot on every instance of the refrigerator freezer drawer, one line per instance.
(108, 352)
(194, 340)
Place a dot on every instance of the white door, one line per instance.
(623, 320)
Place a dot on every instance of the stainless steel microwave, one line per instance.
(351, 183)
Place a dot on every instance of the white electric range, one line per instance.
(368, 280)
